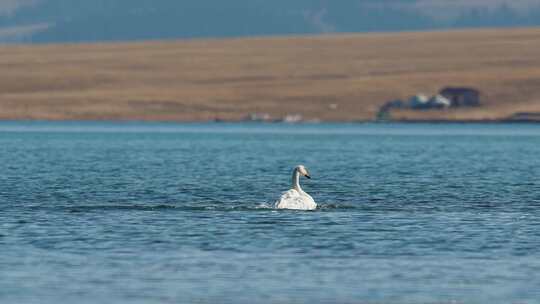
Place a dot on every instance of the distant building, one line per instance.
(439, 102)
(258, 117)
(419, 101)
(447, 97)
(293, 118)
(462, 97)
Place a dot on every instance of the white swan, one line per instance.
(296, 198)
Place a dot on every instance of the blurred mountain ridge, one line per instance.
(50, 21)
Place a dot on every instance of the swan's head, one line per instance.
(303, 171)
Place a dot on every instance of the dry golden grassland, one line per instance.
(227, 79)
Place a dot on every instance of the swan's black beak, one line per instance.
(309, 177)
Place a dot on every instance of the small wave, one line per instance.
(180, 207)
(332, 206)
(137, 207)
(161, 207)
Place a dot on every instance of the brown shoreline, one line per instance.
(328, 78)
(404, 121)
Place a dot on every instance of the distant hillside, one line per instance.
(326, 77)
(112, 20)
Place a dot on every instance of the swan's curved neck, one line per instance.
(296, 181)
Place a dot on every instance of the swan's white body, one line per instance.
(296, 198)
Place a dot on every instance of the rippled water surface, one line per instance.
(183, 213)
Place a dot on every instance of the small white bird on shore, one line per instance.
(296, 198)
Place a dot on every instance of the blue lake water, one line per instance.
(183, 213)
